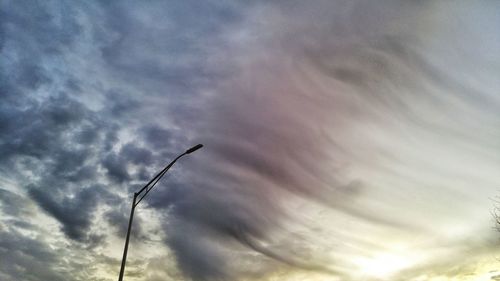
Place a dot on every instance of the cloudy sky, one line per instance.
(344, 140)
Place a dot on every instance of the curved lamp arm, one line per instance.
(144, 191)
(157, 178)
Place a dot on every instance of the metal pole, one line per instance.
(147, 188)
(124, 259)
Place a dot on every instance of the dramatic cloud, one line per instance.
(344, 140)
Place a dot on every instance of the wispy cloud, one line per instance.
(338, 135)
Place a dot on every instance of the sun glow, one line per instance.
(383, 265)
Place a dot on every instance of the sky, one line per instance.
(344, 140)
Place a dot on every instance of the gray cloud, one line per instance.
(74, 214)
(28, 259)
(137, 155)
(116, 168)
(287, 98)
(14, 204)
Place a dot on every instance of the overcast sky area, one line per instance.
(344, 140)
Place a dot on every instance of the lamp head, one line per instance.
(194, 148)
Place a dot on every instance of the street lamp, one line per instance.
(141, 194)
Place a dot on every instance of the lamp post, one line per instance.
(138, 196)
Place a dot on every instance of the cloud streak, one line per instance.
(338, 134)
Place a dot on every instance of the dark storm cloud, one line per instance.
(208, 262)
(45, 133)
(169, 193)
(173, 52)
(30, 32)
(52, 135)
(116, 168)
(56, 137)
(137, 155)
(75, 214)
(120, 104)
(38, 129)
(157, 136)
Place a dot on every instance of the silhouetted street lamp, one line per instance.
(142, 193)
